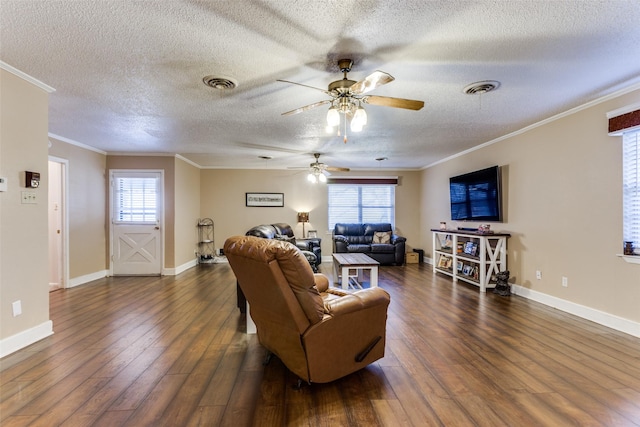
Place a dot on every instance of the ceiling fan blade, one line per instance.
(337, 169)
(306, 107)
(385, 101)
(372, 81)
(310, 87)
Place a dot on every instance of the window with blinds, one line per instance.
(136, 199)
(361, 203)
(631, 187)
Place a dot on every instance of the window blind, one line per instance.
(631, 187)
(361, 204)
(136, 199)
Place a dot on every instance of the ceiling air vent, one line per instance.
(220, 82)
(479, 88)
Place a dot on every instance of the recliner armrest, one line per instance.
(322, 282)
(357, 301)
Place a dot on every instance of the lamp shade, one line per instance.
(303, 216)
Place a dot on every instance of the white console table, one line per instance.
(473, 257)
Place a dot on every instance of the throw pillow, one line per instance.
(382, 237)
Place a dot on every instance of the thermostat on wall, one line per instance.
(3, 183)
(33, 179)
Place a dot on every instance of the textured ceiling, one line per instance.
(128, 74)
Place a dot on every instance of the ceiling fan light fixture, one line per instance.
(359, 117)
(322, 178)
(312, 178)
(333, 116)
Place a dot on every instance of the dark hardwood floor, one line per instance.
(172, 351)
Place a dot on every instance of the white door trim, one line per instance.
(111, 219)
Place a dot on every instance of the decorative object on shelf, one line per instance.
(628, 248)
(265, 199)
(446, 243)
(443, 225)
(484, 228)
(303, 217)
(502, 284)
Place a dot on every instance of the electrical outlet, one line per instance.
(565, 281)
(17, 308)
(538, 274)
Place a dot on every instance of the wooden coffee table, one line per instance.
(344, 263)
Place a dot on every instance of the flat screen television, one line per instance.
(476, 196)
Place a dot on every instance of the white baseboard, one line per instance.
(81, 280)
(181, 268)
(600, 317)
(25, 338)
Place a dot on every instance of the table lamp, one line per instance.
(303, 217)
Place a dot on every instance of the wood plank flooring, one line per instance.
(171, 351)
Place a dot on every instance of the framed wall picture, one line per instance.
(270, 200)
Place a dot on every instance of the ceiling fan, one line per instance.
(318, 171)
(347, 97)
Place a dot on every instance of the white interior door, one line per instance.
(56, 249)
(136, 222)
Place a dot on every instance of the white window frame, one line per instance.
(144, 204)
(631, 187)
(360, 188)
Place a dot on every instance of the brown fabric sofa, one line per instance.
(320, 333)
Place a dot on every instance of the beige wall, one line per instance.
(222, 198)
(563, 197)
(23, 227)
(167, 164)
(86, 205)
(187, 211)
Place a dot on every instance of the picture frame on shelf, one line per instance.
(459, 266)
(471, 248)
(444, 261)
(467, 270)
(312, 234)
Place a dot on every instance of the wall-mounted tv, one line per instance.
(476, 196)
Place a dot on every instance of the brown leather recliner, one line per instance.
(320, 333)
